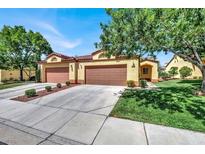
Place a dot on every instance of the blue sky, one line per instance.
(69, 31)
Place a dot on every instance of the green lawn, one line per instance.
(175, 104)
(10, 85)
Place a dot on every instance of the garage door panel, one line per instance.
(57, 75)
(106, 75)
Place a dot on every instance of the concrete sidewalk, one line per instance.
(85, 129)
(121, 131)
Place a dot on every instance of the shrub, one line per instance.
(58, 85)
(130, 83)
(32, 78)
(67, 83)
(30, 92)
(185, 72)
(48, 88)
(143, 83)
(164, 75)
(195, 77)
(173, 71)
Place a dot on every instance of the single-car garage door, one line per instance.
(57, 75)
(106, 75)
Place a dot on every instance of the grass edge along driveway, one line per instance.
(10, 85)
(174, 105)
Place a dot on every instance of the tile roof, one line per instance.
(59, 55)
(83, 57)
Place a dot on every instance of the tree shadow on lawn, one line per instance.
(173, 99)
(195, 83)
(197, 109)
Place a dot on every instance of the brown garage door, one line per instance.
(106, 75)
(57, 75)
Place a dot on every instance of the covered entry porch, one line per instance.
(146, 72)
(149, 70)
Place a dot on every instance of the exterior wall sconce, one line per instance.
(133, 65)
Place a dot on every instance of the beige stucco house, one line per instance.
(15, 74)
(176, 61)
(97, 69)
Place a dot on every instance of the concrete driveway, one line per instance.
(71, 116)
(79, 115)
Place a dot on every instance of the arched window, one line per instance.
(54, 59)
(102, 55)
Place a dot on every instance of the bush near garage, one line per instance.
(143, 83)
(67, 83)
(130, 83)
(30, 92)
(59, 85)
(48, 88)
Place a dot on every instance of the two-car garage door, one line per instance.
(57, 74)
(102, 75)
(106, 75)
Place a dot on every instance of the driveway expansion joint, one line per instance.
(145, 133)
(44, 118)
(67, 140)
(22, 130)
(99, 129)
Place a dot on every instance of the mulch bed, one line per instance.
(41, 93)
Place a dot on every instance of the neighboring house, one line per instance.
(176, 61)
(96, 69)
(15, 75)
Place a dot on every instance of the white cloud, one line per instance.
(59, 43)
(57, 40)
(49, 27)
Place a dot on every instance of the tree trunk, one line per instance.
(139, 69)
(37, 74)
(37, 70)
(21, 74)
(203, 82)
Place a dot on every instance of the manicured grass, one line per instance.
(174, 104)
(10, 85)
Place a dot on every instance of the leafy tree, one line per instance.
(21, 49)
(15, 48)
(40, 46)
(136, 31)
(122, 35)
(3, 60)
(185, 71)
(164, 75)
(173, 71)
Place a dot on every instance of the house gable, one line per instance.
(54, 59)
(148, 62)
(100, 55)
